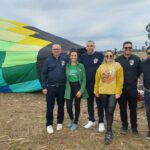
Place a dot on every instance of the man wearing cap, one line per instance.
(53, 84)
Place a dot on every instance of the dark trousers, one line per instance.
(75, 87)
(90, 104)
(55, 93)
(109, 103)
(147, 105)
(129, 96)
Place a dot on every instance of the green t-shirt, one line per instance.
(73, 73)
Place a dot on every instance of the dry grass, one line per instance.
(140, 54)
(22, 127)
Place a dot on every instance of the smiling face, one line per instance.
(127, 49)
(90, 46)
(56, 50)
(73, 57)
(109, 57)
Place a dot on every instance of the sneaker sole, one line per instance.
(50, 132)
(148, 138)
(89, 127)
(101, 131)
(59, 129)
(123, 132)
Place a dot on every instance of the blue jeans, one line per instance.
(90, 104)
(147, 105)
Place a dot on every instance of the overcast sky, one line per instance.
(107, 22)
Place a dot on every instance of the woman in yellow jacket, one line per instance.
(108, 86)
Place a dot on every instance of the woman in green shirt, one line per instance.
(75, 88)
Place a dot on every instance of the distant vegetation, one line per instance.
(140, 53)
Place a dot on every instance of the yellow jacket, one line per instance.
(109, 79)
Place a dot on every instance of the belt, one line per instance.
(57, 85)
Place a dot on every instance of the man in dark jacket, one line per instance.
(53, 83)
(131, 67)
(91, 61)
(145, 68)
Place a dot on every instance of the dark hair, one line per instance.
(73, 50)
(148, 48)
(127, 42)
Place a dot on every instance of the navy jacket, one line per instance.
(145, 69)
(131, 68)
(53, 71)
(91, 64)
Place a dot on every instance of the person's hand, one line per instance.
(117, 96)
(97, 95)
(44, 91)
(79, 94)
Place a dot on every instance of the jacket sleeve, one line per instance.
(97, 81)
(139, 68)
(119, 79)
(66, 72)
(83, 84)
(44, 75)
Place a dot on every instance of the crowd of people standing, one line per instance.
(99, 77)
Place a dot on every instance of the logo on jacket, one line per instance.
(95, 60)
(108, 75)
(62, 62)
(131, 62)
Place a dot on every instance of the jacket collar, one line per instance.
(76, 64)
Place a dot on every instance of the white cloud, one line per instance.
(108, 23)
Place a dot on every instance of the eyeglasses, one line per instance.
(109, 56)
(56, 49)
(127, 48)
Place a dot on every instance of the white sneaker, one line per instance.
(89, 124)
(59, 126)
(50, 129)
(101, 127)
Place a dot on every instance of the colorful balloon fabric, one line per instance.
(23, 49)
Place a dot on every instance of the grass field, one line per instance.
(22, 127)
(140, 54)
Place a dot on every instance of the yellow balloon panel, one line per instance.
(24, 47)
(23, 31)
(6, 25)
(34, 41)
(18, 23)
(10, 36)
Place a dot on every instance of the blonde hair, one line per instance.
(104, 60)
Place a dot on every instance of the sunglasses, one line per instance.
(127, 48)
(148, 53)
(109, 56)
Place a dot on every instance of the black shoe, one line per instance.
(108, 138)
(148, 135)
(124, 130)
(135, 132)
